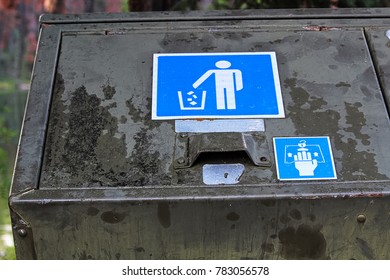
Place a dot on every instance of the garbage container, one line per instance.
(278, 151)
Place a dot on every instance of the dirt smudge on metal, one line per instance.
(112, 217)
(304, 242)
(109, 92)
(164, 214)
(307, 109)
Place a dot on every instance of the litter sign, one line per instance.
(216, 85)
(304, 158)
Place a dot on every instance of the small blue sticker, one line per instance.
(304, 158)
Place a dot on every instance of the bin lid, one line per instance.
(100, 131)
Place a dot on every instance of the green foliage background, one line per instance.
(8, 140)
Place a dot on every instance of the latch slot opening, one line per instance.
(223, 158)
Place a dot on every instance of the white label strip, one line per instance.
(222, 174)
(205, 126)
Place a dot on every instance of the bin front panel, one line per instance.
(211, 229)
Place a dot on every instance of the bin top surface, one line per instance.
(100, 132)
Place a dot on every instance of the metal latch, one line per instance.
(189, 146)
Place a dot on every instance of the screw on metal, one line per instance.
(361, 218)
(181, 161)
(388, 34)
(263, 159)
(22, 232)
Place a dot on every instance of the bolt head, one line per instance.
(361, 218)
(22, 232)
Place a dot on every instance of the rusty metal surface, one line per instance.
(94, 169)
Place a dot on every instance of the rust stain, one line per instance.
(362, 195)
(319, 28)
(201, 120)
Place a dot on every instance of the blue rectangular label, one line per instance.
(216, 85)
(304, 158)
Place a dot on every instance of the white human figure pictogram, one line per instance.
(227, 82)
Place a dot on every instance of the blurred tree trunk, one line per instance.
(140, 5)
(94, 6)
(8, 4)
(54, 6)
(89, 6)
(22, 34)
(150, 5)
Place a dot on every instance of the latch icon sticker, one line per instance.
(304, 158)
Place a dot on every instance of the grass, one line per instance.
(6, 252)
(8, 141)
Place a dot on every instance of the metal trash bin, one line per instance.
(99, 175)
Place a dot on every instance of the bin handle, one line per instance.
(190, 145)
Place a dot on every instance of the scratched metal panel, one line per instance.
(99, 180)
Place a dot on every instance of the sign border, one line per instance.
(275, 72)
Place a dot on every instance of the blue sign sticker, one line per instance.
(304, 158)
(216, 85)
